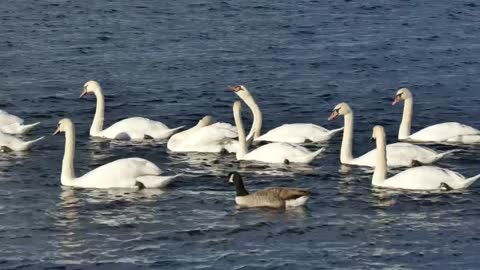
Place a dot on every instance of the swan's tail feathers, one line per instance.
(332, 132)
(156, 181)
(26, 128)
(471, 180)
(29, 144)
(310, 157)
(446, 153)
(172, 131)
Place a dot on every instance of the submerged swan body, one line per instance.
(214, 137)
(398, 154)
(122, 173)
(451, 132)
(134, 128)
(270, 153)
(11, 124)
(274, 197)
(419, 178)
(11, 143)
(298, 133)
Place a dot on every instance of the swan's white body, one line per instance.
(398, 154)
(420, 178)
(11, 124)
(122, 173)
(204, 137)
(211, 137)
(298, 133)
(451, 132)
(134, 128)
(270, 153)
(15, 144)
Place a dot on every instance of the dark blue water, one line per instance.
(171, 61)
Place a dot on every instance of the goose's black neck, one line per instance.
(239, 187)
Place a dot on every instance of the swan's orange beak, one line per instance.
(84, 92)
(56, 131)
(333, 115)
(396, 100)
(235, 88)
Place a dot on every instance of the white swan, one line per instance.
(134, 128)
(398, 154)
(10, 143)
(122, 173)
(11, 124)
(273, 152)
(210, 137)
(419, 178)
(451, 132)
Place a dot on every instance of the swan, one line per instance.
(134, 128)
(215, 137)
(451, 132)
(11, 124)
(398, 154)
(121, 173)
(418, 178)
(274, 197)
(270, 153)
(9, 143)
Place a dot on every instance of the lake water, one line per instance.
(171, 61)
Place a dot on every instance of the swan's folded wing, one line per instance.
(136, 125)
(9, 119)
(213, 134)
(127, 168)
(443, 132)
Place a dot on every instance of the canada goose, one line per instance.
(274, 197)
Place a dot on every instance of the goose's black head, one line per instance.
(236, 179)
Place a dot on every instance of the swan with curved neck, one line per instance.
(134, 128)
(399, 154)
(451, 132)
(11, 124)
(269, 153)
(208, 136)
(418, 178)
(122, 173)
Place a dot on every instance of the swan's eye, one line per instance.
(337, 110)
(400, 95)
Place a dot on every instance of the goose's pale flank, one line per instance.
(123, 173)
(11, 124)
(274, 197)
(11, 143)
(451, 132)
(215, 137)
(398, 154)
(427, 178)
(134, 128)
(270, 153)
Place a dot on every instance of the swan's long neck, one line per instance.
(68, 171)
(406, 125)
(380, 173)
(256, 129)
(347, 141)
(97, 124)
(242, 144)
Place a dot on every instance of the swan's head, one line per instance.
(63, 125)
(341, 109)
(90, 87)
(241, 91)
(402, 94)
(378, 132)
